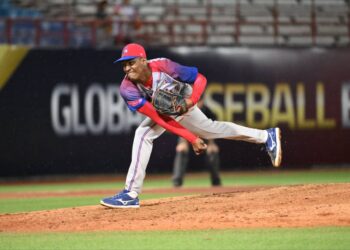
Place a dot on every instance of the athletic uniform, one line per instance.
(137, 95)
(186, 81)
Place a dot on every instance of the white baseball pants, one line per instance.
(196, 122)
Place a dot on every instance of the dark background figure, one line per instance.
(211, 157)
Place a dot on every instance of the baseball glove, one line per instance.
(169, 103)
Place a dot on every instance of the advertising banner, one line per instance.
(61, 111)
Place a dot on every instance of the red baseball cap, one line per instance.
(131, 51)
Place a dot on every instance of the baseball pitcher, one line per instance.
(167, 93)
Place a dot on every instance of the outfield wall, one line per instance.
(61, 111)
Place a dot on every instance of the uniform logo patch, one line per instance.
(135, 102)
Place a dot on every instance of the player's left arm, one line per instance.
(186, 74)
(197, 91)
(189, 75)
(198, 88)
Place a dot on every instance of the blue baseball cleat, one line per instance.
(121, 200)
(273, 146)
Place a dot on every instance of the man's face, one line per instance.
(135, 68)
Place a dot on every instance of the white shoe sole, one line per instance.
(278, 159)
(117, 206)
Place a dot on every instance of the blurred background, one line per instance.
(268, 63)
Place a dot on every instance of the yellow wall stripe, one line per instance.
(10, 58)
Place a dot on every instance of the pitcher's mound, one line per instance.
(284, 206)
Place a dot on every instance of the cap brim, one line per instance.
(125, 58)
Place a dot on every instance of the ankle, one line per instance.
(133, 194)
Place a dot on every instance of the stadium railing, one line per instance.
(232, 24)
(95, 33)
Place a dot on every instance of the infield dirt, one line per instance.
(218, 208)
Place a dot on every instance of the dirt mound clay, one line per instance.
(283, 206)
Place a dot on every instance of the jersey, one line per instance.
(136, 95)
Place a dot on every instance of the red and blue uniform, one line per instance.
(137, 99)
(192, 126)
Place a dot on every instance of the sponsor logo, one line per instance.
(96, 110)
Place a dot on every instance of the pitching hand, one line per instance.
(199, 146)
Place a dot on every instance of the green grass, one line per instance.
(62, 187)
(337, 238)
(228, 179)
(247, 239)
(288, 177)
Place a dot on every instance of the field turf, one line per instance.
(264, 238)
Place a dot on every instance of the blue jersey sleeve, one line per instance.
(131, 95)
(187, 74)
(176, 70)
